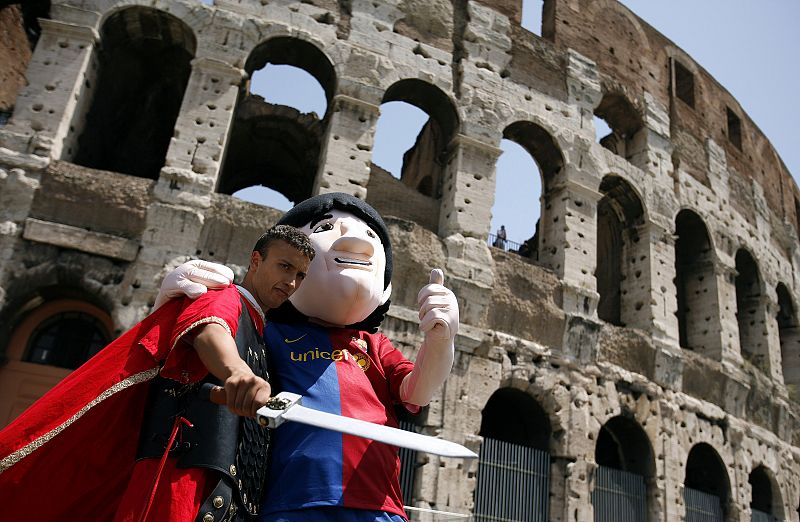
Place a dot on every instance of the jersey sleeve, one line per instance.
(395, 365)
(220, 307)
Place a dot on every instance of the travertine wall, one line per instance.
(529, 324)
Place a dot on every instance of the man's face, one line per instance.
(345, 279)
(275, 276)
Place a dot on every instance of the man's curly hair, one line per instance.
(286, 233)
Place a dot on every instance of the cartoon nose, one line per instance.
(353, 239)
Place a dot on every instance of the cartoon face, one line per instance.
(344, 283)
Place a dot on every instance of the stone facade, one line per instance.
(657, 311)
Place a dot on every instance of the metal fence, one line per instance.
(513, 483)
(619, 496)
(503, 244)
(408, 466)
(760, 516)
(702, 507)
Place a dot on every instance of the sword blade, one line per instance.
(286, 407)
(378, 432)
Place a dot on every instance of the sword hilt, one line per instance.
(212, 393)
(271, 415)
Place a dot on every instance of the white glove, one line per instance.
(438, 314)
(193, 279)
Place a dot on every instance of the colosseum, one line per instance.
(637, 359)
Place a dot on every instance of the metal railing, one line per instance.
(619, 496)
(702, 507)
(513, 483)
(504, 244)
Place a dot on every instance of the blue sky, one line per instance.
(749, 47)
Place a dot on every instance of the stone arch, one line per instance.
(789, 335)
(273, 145)
(706, 474)
(514, 466)
(514, 416)
(543, 148)
(765, 494)
(625, 477)
(425, 163)
(695, 284)
(50, 331)
(625, 122)
(143, 69)
(750, 310)
(620, 217)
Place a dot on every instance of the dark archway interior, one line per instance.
(619, 212)
(705, 472)
(786, 315)
(761, 485)
(514, 416)
(692, 248)
(748, 293)
(144, 67)
(622, 444)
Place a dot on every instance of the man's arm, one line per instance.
(245, 391)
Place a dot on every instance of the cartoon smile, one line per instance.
(353, 262)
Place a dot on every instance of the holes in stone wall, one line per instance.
(683, 83)
(764, 498)
(749, 310)
(513, 416)
(694, 282)
(706, 473)
(617, 123)
(789, 335)
(734, 128)
(530, 160)
(274, 144)
(144, 66)
(619, 216)
(417, 123)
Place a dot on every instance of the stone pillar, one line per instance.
(468, 188)
(49, 110)
(771, 338)
(725, 275)
(661, 305)
(652, 144)
(195, 155)
(347, 147)
(568, 228)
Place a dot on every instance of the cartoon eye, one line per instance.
(324, 227)
(370, 233)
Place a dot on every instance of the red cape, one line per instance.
(70, 455)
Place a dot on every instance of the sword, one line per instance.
(287, 406)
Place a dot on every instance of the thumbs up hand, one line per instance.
(438, 309)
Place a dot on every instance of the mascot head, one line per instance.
(349, 281)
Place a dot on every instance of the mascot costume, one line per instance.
(323, 345)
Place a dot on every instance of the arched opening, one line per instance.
(143, 69)
(621, 255)
(617, 125)
(514, 467)
(706, 491)
(625, 470)
(765, 502)
(522, 185)
(418, 115)
(750, 311)
(52, 333)
(789, 335)
(274, 145)
(695, 284)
